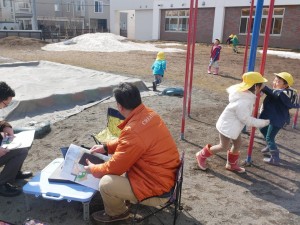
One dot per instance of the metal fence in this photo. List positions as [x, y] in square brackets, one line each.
[45, 34]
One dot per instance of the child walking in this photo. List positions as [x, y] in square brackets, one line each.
[214, 57]
[158, 69]
[276, 106]
[235, 116]
[235, 42]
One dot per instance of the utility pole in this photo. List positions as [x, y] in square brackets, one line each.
[13, 10]
[34, 18]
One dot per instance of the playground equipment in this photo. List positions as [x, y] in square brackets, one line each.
[190, 53]
[252, 57]
[251, 64]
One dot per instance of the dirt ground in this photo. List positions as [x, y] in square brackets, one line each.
[264, 195]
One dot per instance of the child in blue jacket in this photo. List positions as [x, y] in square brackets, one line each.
[276, 106]
[158, 69]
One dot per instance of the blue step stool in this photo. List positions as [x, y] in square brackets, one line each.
[40, 186]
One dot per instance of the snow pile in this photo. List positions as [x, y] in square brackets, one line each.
[292, 55]
[104, 42]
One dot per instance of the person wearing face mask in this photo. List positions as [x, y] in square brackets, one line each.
[12, 161]
[235, 116]
[276, 106]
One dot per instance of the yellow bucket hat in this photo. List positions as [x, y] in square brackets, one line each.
[287, 77]
[160, 56]
[249, 79]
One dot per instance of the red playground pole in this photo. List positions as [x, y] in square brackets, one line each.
[193, 57]
[296, 116]
[248, 36]
[262, 69]
[187, 68]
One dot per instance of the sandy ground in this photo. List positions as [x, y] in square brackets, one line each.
[264, 195]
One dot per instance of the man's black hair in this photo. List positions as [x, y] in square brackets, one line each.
[127, 95]
[6, 91]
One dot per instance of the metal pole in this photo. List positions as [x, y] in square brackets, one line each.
[14, 10]
[296, 116]
[34, 19]
[248, 36]
[193, 57]
[262, 68]
[255, 34]
[187, 69]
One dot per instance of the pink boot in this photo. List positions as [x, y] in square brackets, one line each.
[216, 71]
[202, 155]
[209, 70]
[232, 162]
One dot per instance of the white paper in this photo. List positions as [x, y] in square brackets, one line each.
[23, 139]
[74, 171]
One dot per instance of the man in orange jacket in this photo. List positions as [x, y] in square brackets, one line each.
[145, 152]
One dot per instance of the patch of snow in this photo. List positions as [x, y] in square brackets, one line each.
[104, 42]
[284, 54]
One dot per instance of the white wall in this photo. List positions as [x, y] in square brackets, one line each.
[131, 18]
[130, 4]
[116, 6]
[143, 25]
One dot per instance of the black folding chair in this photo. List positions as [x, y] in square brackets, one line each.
[174, 199]
[114, 118]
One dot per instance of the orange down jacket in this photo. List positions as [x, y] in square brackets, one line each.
[147, 153]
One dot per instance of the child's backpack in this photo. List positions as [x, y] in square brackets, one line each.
[293, 95]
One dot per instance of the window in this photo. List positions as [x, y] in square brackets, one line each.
[56, 8]
[177, 20]
[68, 7]
[80, 5]
[276, 24]
[98, 6]
[23, 7]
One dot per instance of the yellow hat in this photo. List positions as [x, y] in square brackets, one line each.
[249, 79]
[160, 56]
[231, 35]
[287, 77]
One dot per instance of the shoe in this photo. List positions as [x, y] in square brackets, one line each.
[209, 70]
[154, 85]
[265, 150]
[24, 175]
[232, 162]
[9, 190]
[274, 159]
[202, 155]
[101, 216]
[216, 71]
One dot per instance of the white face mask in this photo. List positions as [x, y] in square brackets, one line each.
[7, 109]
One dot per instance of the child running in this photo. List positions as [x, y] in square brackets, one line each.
[276, 106]
[158, 69]
[235, 116]
[214, 57]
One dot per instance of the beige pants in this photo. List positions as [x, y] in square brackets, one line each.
[225, 144]
[116, 189]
